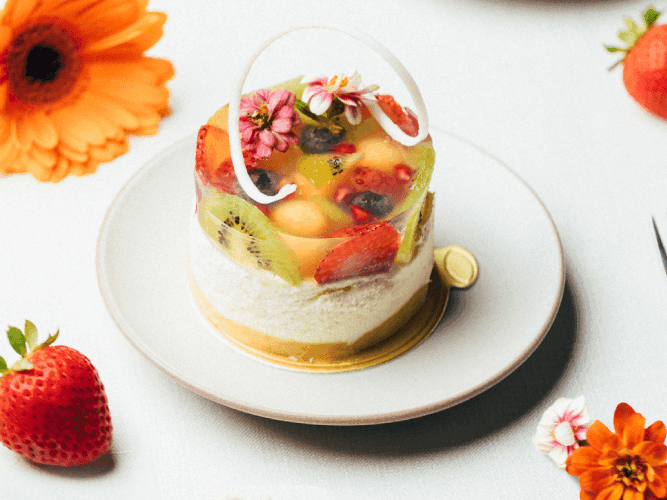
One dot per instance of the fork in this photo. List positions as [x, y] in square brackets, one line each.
[661, 247]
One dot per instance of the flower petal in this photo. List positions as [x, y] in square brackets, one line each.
[656, 432]
[353, 114]
[320, 102]
[137, 38]
[629, 425]
[37, 128]
[597, 478]
[598, 435]
[278, 99]
[559, 456]
[659, 484]
[582, 459]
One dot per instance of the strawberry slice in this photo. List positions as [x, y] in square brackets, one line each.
[213, 161]
[403, 117]
[371, 250]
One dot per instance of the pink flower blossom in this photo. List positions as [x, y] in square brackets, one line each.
[266, 122]
[561, 429]
[321, 92]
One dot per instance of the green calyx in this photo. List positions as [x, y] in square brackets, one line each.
[24, 343]
[633, 33]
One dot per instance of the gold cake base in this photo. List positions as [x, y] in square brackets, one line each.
[412, 324]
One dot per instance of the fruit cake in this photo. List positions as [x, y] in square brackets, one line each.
[319, 245]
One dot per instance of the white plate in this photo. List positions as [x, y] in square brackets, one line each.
[487, 331]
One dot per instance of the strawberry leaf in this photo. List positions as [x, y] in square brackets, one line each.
[16, 340]
[3, 364]
[650, 17]
[50, 340]
[30, 334]
[22, 365]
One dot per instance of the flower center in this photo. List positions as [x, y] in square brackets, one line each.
[631, 470]
[43, 64]
[260, 117]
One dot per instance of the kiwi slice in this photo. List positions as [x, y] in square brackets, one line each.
[425, 159]
[246, 235]
[414, 231]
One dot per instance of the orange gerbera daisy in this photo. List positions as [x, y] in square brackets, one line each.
[628, 464]
[74, 82]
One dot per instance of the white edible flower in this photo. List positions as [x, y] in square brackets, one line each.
[561, 429]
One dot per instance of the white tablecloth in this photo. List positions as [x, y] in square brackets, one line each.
[525, 80]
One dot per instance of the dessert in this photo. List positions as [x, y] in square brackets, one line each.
[311, 242]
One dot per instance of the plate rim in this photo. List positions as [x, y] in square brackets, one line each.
[305, 418]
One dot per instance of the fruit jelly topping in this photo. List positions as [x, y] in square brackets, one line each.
[346, 176]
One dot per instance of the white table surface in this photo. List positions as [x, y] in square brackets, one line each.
[525, 80]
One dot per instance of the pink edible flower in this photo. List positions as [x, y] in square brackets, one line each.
[322, 90]
[562, 429]
[267, 120]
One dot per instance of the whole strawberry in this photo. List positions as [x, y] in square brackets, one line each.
[53, 408]
[645, 62]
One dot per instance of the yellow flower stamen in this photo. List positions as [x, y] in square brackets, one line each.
[631, 472]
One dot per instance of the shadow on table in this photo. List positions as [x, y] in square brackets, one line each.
[484, 414]
[103, 465]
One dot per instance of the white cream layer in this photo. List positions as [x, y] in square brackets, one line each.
[335, 312]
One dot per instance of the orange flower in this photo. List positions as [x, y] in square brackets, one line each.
[628, 464]
[74, 82]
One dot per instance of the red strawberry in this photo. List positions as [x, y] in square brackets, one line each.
[53, 408]
[371, 250]
[402, 117]
[359, 214]
[213, 161]
[645, 62]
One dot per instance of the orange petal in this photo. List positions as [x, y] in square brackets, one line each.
[10, 159]
[71, 154]
[598, 435]
[76, 130]
[35, 168]
[46, 157]
[597, 478]
[659, 484]
[37, 128]
[629, 425]
[17, 12]
[5, 38]
[582, 459]
[113, 111]
[614, 492]
[137, 38]
[61, 170]
[632, 494]
[99, 19]
[654, 453]
[80, 169]
[111, 150]
[656, 432]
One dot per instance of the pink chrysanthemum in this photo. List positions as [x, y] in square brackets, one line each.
[267, 120]
[562, 427]
[322, 90]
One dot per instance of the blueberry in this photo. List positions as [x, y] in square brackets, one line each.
[318, 140]
[265, 181]
[376, 204]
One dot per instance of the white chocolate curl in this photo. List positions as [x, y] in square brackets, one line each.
[385, 122]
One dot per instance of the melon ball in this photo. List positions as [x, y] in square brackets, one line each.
[300, 217]
[382, 153]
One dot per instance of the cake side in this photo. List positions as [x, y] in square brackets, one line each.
[342, 311]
